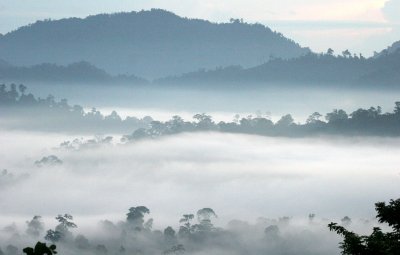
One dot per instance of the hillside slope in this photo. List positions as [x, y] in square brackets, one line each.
[149, 44]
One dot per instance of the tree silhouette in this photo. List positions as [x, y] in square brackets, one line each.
[397, 108]
[40, 249]
[346, 54]
[62, 229]
[187, 227]
[204, 217]
[135, 216]
[35, 226]
[314, 118]
[330, 52]
[378, 243]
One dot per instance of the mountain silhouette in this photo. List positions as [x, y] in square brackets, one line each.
[79, 72]
[311, 69]
[149, 44]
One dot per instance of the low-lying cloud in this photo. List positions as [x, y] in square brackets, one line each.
[231, 173]
[239, 176]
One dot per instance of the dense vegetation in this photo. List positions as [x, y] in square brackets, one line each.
[312, 69]
[379, 242]
[316, 70]
[80, 72]
[195, 234]
[360, 122]
[20, 110]
[135, 235]
[26, 111]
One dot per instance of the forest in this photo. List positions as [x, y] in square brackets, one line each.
[327, 69]
[49, 114]
[74, 73]
[196, 234]
[199, 127]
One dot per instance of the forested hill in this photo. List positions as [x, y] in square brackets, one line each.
[79, 72]
[150, 44]
[326, 69]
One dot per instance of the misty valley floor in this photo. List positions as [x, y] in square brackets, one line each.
[244, 178]
[331, 177]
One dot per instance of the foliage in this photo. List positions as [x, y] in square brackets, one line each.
[51, 115]
[35, 226]
[40, 249]
[16, 104]
[378, 243]
[328, 70]
[61, 232]
[135, 217]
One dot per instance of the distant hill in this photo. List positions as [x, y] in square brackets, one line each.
[150, 44]
[317, 69]
[80, 72]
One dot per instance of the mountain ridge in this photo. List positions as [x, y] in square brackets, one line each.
[78, 72]
[150, 44]
[311, 69]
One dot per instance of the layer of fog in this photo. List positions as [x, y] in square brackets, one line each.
[162, 102]
[240, 177]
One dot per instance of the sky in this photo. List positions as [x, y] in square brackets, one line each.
[363, 26]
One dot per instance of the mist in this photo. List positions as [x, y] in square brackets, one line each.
[148, 132]
[239, 176]
[163, 102]
[273, 176]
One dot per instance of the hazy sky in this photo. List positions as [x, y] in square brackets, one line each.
[360, 25]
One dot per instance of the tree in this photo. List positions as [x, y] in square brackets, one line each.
[170, 235]
[187, 227]
[397, 108]
[40, 249]
[35, 226]
[61, 231]
[285, 121]
[204, 217]
[336, 116]
[346, 54]
[378, 243]
[22, 88]
[135, 216]
[113, 117]
[175, 125]
[314, 118]
[330, 52]
[204, 121]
